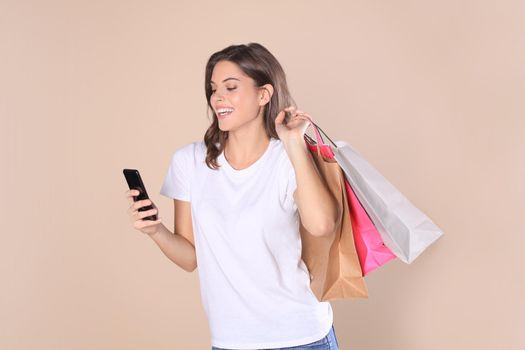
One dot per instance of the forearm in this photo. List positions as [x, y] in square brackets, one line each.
[176, 248]
[317, 207]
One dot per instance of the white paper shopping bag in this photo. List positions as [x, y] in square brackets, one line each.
[405, 230]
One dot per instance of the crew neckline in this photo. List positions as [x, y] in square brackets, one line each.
[251, 167]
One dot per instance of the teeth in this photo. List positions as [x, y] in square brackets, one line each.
[224, 110]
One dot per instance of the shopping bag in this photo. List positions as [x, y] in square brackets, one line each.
[404, 228]
[371, 250]
[370, 247]
[332, 261]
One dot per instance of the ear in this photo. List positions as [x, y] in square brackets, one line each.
[265, 95]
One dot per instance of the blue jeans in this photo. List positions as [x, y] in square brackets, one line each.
[328, 342]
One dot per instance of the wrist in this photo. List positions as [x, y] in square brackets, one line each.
[157, 233]
[294, 143]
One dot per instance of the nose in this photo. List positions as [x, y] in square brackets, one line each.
[218, 98]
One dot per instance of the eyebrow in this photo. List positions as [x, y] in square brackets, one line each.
[231, 78]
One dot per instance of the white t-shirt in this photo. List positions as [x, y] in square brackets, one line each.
[255, 288]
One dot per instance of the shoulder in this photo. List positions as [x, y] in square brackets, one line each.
[190, 149]
[189, 153]
[282, 157]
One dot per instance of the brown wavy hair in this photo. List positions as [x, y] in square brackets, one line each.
[260, 65]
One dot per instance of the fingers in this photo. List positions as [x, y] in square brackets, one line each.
[133, 210]
[280, 117]
[294, 111]
[306, 117]
[142, 214]
[130, 194]
[300, 115]
[136, 204]
[139, 204]
[297, 118]
[137, 216]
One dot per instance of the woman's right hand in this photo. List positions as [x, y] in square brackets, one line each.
[149, 227]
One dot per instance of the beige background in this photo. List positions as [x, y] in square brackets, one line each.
[431, 92]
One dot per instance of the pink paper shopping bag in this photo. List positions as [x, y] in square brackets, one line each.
[370, 248]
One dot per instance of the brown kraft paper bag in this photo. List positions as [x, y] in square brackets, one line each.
[335, 271]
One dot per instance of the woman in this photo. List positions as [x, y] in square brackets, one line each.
[238, 197]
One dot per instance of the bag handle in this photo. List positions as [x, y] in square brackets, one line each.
[318, 136]
[320, 142]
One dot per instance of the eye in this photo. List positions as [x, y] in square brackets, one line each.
[229, 89]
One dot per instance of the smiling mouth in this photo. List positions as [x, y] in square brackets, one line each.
[224, 114]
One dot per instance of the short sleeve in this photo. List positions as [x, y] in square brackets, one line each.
[177, 180]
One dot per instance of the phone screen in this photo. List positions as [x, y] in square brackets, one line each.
[135, 183]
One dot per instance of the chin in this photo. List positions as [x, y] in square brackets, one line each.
[223, 128]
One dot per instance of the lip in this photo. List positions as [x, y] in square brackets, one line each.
[222, 106]
[219, 107]
[221, 117]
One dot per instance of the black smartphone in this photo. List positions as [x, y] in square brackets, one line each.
[135, 183]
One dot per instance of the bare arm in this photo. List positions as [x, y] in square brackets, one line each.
[179, 247]
[318, 209]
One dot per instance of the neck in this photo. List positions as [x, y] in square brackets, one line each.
[245, 148]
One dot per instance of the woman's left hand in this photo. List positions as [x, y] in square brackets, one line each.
[295, 128]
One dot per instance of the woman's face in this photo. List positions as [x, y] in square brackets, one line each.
[236, 94]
